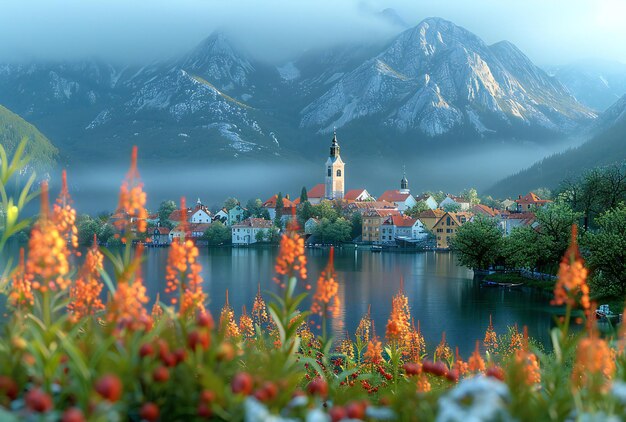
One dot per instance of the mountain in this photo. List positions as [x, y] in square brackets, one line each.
[596, 84]
[217, 102]
[607, 147]
[13, 128]
[438, 77]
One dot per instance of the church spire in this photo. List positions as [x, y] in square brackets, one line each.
[334, 146]
[404, 183]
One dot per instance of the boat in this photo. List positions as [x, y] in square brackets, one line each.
[488, 283]
[376, 248]
[604, 313]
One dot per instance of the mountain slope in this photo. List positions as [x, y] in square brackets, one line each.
[597, 84]
[607, 147]
[13, 128]
[437, 77]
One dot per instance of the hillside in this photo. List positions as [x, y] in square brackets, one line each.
[607, 147]
[13, 128]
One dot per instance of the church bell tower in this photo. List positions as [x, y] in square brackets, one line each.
[335, 175]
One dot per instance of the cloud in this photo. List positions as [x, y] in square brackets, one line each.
[143, 30]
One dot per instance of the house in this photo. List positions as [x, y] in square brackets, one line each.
[484, 210]
[153, 219]
[402, 228]
[270, 205]
[245, 233]
[199, 214]
[530, 202]
[445, 229]
[160, 235]
[316, 194]
[310, 225]
[509, 205]
[402, 200]
[517, 219]
[221, 216]
[358, 195]
[428, 200]
[365, 206]
[196, 230]
[372, 222]
[452, 199]
[430, 217]
[178, 232]
[236, 214]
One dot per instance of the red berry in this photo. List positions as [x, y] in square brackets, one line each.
[197, 339]
[242, 383]
[8, 387]
[337, 413]
[109, 387]
[436, 368]
[161, 374]
[180, 355]
[495, 372]
[73, 414]
[38, 401]
[356, 410]
[204, 319]
[412, 368]
[207, 396]
[271, 389]
[169, 360]
[146, 349]
[164, 349]
[318, 386]
[204, 410]
[149, 412]
[453, 375]
[261, 395]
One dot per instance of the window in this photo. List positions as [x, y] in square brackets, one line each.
[448, 221]
[338, 173]
[330, 171]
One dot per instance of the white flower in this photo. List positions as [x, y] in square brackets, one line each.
[256, 411]
[476, 399]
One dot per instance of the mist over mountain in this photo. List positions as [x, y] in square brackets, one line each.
[607, 147]
[434, 84]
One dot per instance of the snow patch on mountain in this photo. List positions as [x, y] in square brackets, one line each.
[103, 117]
[288, 71]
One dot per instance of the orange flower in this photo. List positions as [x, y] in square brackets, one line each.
[327, 289]
[127, 307]
[529, 362]
[423, 385]
[476, 363]
[491, 339]
[398, 325]
[21, 293]
[443, 351]
[374, 353]
[182, 275]
[594, 363]
[363, 329]
[47, 265]
[157, 311]
[259, 309]
[227, 320]
[517, 340]
[415, 344]
[85, 293]
[346, 348]
[459, 364]
[291, 260]
[131, 209]
[64, 216]
[246, 326]
[571, 286]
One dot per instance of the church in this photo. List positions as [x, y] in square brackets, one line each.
[335, 172]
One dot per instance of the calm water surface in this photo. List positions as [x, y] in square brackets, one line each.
[443, 295]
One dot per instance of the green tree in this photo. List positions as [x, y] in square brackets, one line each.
[452, 207]
[304, 196]
[416, 209]
[325, 210]
[526, 248]
[357, 225]
[305, 211]
[274, 235]
[471, 195]
[280, 205]
[230, 203]
[478, 243]
[437, 196]
[87, 227]
[165, 209]
[260, 236]
[607, 251]
[217, 234]
[337, 231]
[254, 208]
[555, 225]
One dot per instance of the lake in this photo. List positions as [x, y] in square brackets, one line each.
[442, 295]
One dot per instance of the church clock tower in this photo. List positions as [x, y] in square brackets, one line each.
[335, 174]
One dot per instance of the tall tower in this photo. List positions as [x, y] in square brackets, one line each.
[404, 183]
[335, 174]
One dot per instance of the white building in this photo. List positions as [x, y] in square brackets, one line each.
[221, 216]
[335, 172]
[428, 200]
[451, 199]
[245, 233]
[402, 228]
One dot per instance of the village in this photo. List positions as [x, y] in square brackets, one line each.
[328, 214]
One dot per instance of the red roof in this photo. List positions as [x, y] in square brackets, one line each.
[484, 210]
[394, 196]
[258, 223]
[381, 213]
[401, 220]
[431, 214]
[353, 194]
[374, 205]
[531, 198]
[271, 203]
[176, 215]
[162, 230]
[317, 191]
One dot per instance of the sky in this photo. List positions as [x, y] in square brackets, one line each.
[550, 32]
